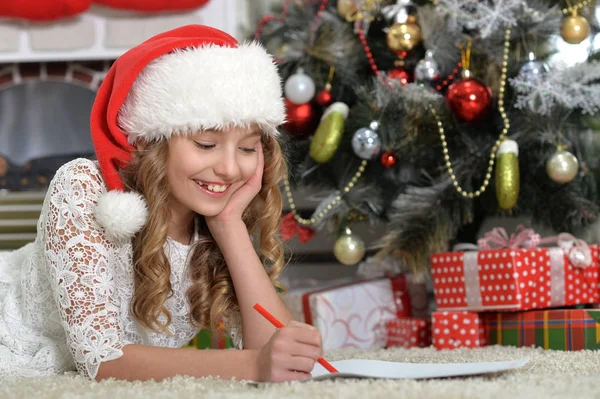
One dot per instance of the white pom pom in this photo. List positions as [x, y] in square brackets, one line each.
[121, 214]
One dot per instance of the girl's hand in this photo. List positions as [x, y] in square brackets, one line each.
[239, 200]
[290, 354]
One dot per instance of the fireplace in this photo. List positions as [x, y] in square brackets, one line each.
[44, 119]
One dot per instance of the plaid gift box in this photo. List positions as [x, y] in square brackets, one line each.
[512, 279]
[559, 329]
[453, 330]
[408, 332]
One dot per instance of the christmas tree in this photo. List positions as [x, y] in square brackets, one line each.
[430, 116]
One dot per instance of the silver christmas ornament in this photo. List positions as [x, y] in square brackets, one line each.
[562, 167]
[533, 70]
[427, 69]
[366, 142]
[299, 88]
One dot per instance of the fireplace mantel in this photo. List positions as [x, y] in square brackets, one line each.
[101, 33]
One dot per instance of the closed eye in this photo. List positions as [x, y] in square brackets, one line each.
[204, 146]
[248, 150]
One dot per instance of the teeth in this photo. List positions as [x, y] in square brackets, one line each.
[217, 188]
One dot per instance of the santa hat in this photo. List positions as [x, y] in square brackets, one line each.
[179, 82]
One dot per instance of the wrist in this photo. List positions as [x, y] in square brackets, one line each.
[224, 229]
[253, 365]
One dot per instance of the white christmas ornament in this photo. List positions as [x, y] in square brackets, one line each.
[299, 88]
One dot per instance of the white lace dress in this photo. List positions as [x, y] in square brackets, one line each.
[64, 299]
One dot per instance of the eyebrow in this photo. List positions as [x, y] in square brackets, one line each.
[254, 133]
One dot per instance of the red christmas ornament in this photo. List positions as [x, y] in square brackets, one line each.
[469, 99]
[300, 118]
[43, 10]
[388, 159]
[153, 5]
[400, 75]
[324, 97]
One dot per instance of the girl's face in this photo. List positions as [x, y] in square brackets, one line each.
[205, 169]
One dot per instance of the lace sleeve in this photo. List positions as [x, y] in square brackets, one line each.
[78, 260]
[233, 326]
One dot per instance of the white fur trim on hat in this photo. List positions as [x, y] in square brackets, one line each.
[122, 214]
[209, 87]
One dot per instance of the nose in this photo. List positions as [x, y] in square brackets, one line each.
[228, 168]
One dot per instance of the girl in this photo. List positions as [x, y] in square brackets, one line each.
[137, 252]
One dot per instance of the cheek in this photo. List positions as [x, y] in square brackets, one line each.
[248, 167]
[174, 179]
[178, 171]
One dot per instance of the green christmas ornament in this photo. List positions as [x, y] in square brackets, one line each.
[329, 134]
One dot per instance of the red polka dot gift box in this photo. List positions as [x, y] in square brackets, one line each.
[516, 278]
[408, 332]
[452, 330]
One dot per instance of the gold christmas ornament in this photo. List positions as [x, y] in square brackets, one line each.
[403, 37]
[347, 9]
[349, 249]
[562, 167]
[329, 134]
[507, 174]
[575, 28]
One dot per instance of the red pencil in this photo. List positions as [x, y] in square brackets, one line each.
[278, 324]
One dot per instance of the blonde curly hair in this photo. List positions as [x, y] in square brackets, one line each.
[211, 294]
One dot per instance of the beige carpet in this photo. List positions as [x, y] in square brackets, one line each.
[549, 374]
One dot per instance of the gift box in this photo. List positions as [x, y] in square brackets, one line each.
[207, 340]
[351, 315]
[516, 278]
[408, 332]
[461, 329]
[558, 329]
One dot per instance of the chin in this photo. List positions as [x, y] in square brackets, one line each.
[207, 211]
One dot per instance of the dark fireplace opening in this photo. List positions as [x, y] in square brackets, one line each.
[44, 119]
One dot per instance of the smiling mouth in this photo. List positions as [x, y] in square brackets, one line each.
[212, 188]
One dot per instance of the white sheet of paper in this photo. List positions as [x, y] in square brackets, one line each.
[361, 368]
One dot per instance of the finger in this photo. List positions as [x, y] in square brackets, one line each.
[310, 336]
[301, 363]
[295, 323]
[256, 179]
[298, 349]
[261, 155]
[261, 162]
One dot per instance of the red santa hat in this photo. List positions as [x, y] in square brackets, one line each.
[179, 82]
